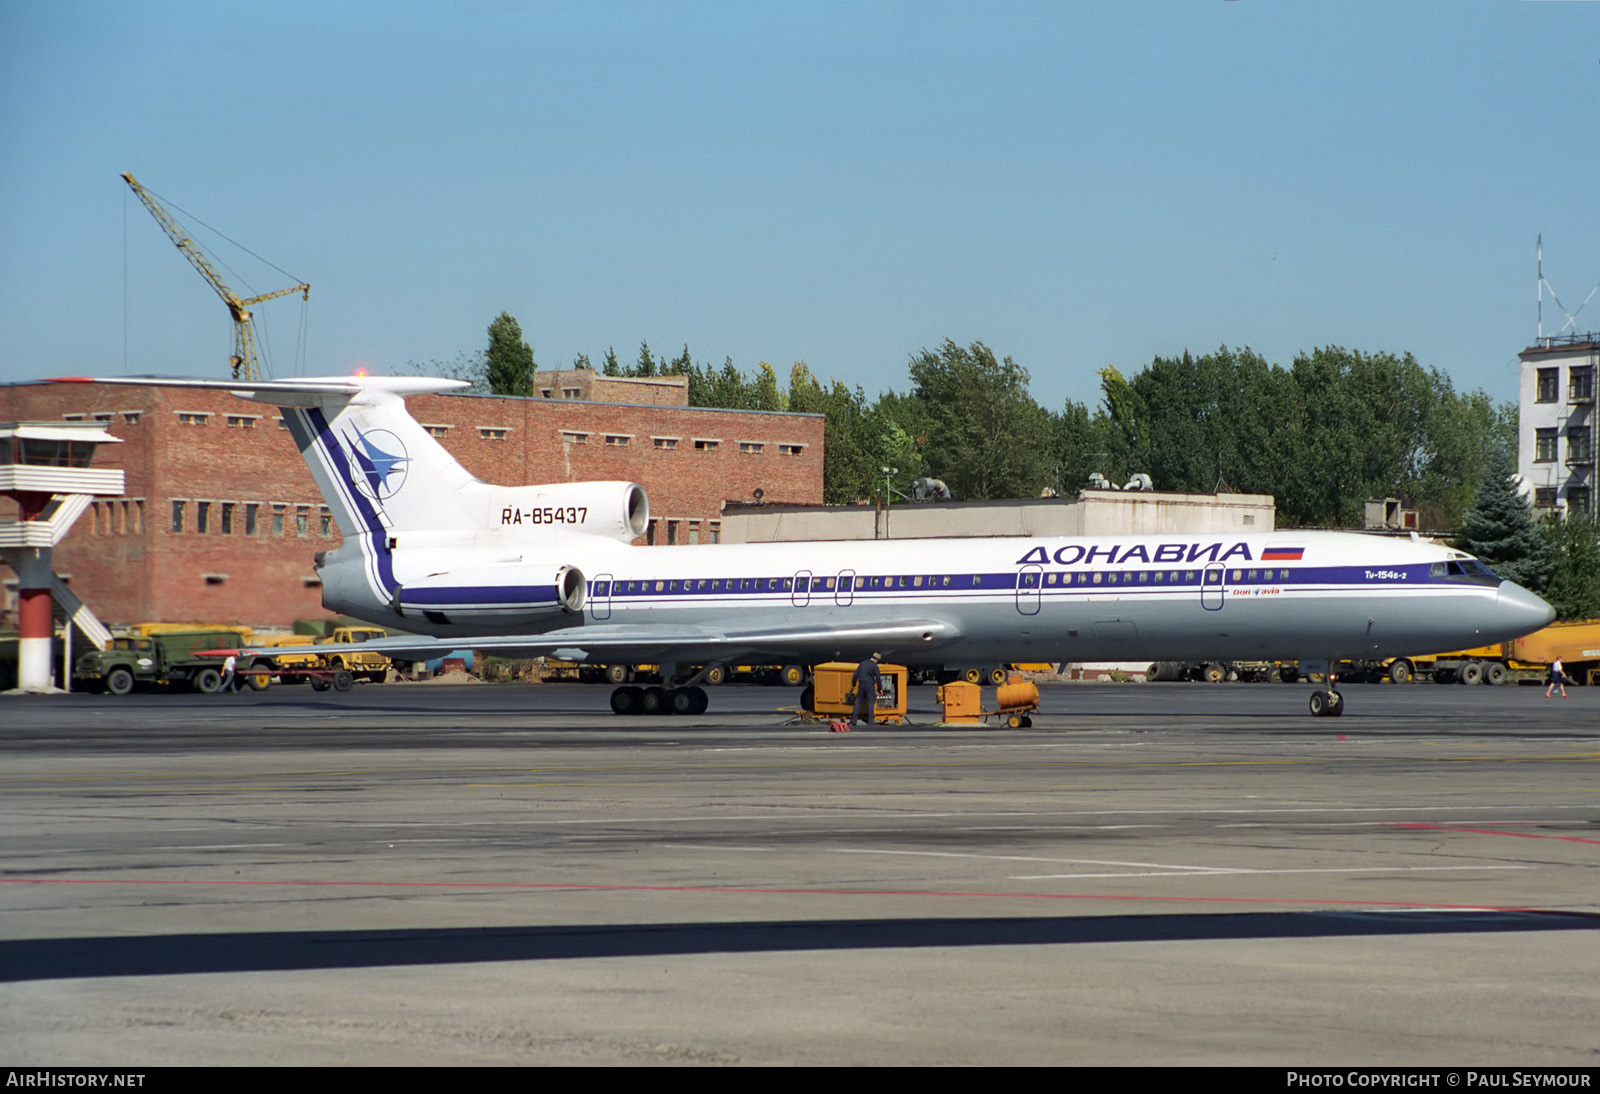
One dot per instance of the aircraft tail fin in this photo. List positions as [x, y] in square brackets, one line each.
[379, 470]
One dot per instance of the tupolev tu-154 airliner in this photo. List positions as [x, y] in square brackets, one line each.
[552, 570]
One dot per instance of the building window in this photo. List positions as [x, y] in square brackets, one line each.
[227, 518]
[73, 417]
[103, 417]
[1578, 500]
[665, 444]
[302, 517]
[187, 417]
[752, 448]
[701, 444]
[325, 522]
[251, 512]
[574, 438]
[617, 440]
[242, 421]
[1549, 385]
[202, 517]
[791, 449]
[1544, 446]
[546, 392]
[571, 393]
[277, 520]
[132, 417]
[1580, 384]
[1580, 445]
[493, 432]
[1544, 497]
[437, 430]
[138, 517]
[713, 531]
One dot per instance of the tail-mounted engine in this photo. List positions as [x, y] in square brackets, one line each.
[616, 510]
[511, 595]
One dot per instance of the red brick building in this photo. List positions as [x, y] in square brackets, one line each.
[221, 516]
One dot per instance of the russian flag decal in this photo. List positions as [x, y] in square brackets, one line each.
[1282, 554]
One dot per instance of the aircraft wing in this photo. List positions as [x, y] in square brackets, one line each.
[640, 643]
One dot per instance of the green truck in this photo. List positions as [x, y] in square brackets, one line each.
[167, 660]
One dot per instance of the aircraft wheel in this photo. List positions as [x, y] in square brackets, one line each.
[700, 700]
[1495, 674]
[119, 681]
[655, 701]
[625, 701]
[681, 701]
[1470, 673]
[342, 680]
[1319, 703]
[997, 675]
[1335, 704]
[208, 681]
[716, 676]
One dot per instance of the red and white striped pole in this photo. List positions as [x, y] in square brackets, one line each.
[35, 618]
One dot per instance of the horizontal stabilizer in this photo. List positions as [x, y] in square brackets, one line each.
[286, 392]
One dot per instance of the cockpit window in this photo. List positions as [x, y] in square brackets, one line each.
[1468, 570]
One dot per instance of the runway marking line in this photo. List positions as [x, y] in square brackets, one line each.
[736, 890]
[1494, 832]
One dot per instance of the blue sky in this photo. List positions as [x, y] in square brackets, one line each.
[1076, 185]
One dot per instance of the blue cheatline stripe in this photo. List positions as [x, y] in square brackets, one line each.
[478, 596]
[980, 585]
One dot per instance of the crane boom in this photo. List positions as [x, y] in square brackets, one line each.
[245, 355]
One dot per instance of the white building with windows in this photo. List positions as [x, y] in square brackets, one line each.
[1556, 431]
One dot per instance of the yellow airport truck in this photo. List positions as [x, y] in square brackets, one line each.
[1576, 644]
[300, 661]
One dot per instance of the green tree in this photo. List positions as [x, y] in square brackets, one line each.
[1574, 551]
[1500, 529]
[764, 392]
[646, 364]
[509, 360]
[985, 436]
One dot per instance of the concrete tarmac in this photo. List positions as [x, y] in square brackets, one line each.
[1152, 874]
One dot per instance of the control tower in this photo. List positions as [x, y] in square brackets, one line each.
[45, 468]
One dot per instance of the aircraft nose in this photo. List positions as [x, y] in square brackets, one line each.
[1522, 610]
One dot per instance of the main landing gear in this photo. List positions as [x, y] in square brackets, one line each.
[659, 700]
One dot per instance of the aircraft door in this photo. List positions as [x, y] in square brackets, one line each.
[1212, 588]
[600, 596]
[845, 591]
[802, 589]
[1030, 582]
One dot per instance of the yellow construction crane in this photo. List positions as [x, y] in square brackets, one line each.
[244, 333]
